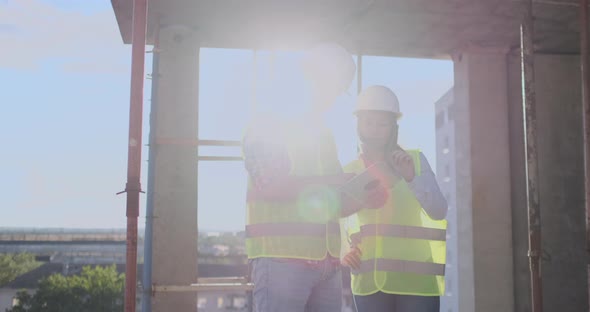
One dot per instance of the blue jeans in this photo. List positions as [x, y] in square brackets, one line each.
[382, 302]
[286, 285]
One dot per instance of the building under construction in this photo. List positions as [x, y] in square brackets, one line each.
[520, 112]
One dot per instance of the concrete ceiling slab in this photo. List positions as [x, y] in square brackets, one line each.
[419, 28]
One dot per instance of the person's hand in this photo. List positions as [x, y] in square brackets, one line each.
[376, 196]
[403, 163]
[352, 259]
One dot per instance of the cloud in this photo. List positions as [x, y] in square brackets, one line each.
[33, 32]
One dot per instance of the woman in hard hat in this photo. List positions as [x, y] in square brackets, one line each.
[397, 255]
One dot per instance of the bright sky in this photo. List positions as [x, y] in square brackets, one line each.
[64, 110]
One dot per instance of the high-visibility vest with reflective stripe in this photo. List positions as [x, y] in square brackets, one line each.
[403, 249]
[308, 227]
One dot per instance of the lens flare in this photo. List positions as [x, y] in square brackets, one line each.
[318, 204]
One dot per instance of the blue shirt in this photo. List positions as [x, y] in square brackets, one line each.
[427, 191]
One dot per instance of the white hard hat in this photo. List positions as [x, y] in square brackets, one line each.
[329, 61]
[378, 98]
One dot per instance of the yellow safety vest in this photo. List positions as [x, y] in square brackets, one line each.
[307, 228]
[403, 249]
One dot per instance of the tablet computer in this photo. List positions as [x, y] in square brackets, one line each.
[379, 174]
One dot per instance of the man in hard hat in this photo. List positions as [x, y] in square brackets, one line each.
[292, 231]
[397, 255]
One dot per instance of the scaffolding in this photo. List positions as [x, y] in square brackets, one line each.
[133, 187]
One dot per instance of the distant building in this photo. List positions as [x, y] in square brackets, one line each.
[221, 250]
[226, 300]
[445, 172]
[98, 246]
[66, 251]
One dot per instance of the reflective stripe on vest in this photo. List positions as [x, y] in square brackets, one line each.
[402, 231]
[392, 265]
[292, 229]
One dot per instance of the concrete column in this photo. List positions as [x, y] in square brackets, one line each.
[561, 184]
[484, 220]
[175, 177]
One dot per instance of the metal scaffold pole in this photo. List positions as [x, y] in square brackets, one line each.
[532, 166]
[586, 116]
[146, 303]
[359, 73]
[133, 186]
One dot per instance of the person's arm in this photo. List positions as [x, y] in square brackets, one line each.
[426, 189]
[268, 165]
[349, 206]
[375, 199]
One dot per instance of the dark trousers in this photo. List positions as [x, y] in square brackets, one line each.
[382, 302]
